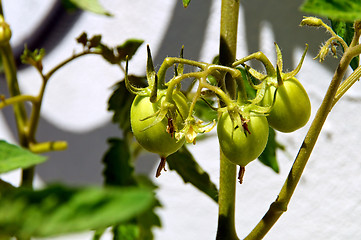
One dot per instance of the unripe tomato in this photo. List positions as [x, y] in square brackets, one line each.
[156, 139]
[292, 108]
[241, 147]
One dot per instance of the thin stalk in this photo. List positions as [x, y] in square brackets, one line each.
[261, 57]
[176, 80]
[355, 76]
[228, 171]
[338, 38]
[224, 97]
[279, 206]
[35, 114]
[195, 98]
[66, 61]
[170, 61]
[16, 99]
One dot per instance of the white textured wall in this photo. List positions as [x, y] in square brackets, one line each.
[327, 202]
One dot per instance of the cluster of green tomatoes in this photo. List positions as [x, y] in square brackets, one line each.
[162, 116]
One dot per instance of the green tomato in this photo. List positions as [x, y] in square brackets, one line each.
[241, 147]
[156, 139]
[292, 108]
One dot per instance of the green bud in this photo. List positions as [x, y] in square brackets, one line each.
[311, 21]
[5, 31]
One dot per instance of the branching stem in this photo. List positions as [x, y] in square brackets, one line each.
[279, 206]
[228, 171]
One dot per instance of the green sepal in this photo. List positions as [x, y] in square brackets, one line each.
[186, 3]
[180, 68]
[279, 57]
[131, 88]
[151, 77]
[279, 78]
[298, 68]
[121, 100]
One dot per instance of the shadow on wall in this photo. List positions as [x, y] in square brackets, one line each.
[81, 163]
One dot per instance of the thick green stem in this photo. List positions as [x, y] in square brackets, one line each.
[228, 171]
[279, 206]
[12, 82]
[19, 108]
[10, 71]
[228, 39]
[226, 200]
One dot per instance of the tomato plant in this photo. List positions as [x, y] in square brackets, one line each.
[162, 117]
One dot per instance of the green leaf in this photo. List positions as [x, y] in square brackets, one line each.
[121, 100]
[204, 112]
[4, 186]
[128, 48]
[13, 157]
[268, 156]
[126, 232]
[139, 228]
[343, 29]
[346, 31]
[185, 165]
[95, 41]
[118, 169]
[86, 5]
[247, 78]
[344, 10]
[92, 43]
[186, 3]
[120, 52]
[82, 39]
[147, 221]
[59, 210]
[108, 54]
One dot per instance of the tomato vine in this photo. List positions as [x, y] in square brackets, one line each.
[247, 106]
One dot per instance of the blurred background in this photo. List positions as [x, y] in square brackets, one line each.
[327, 202]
